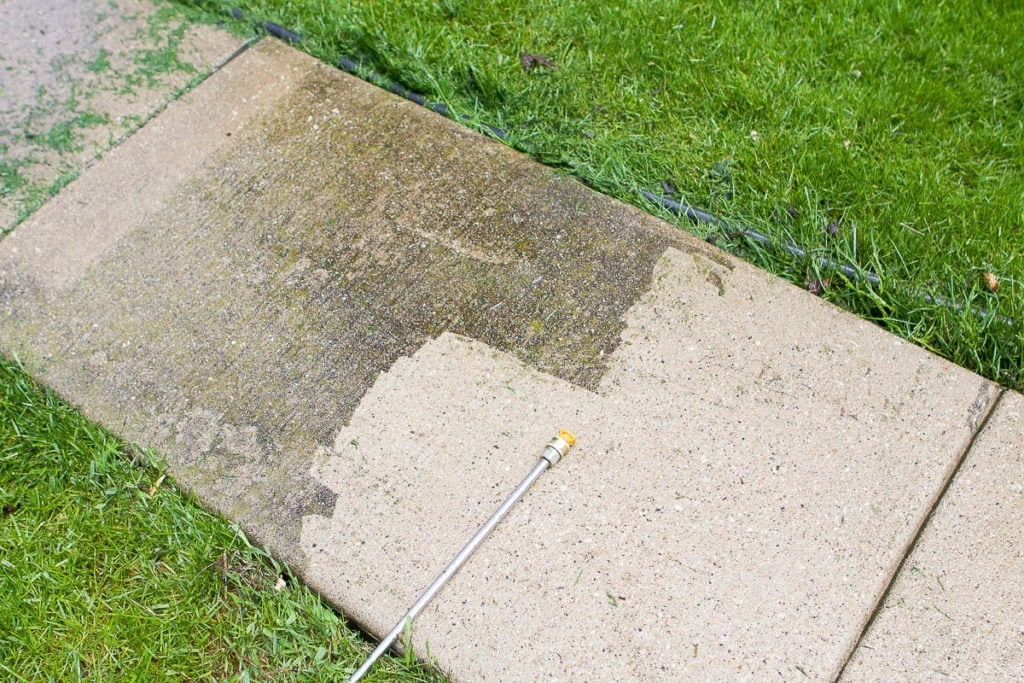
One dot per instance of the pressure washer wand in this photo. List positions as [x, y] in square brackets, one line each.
[553, 452]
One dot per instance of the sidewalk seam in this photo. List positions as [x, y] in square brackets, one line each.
[246, 44]
[912, 545]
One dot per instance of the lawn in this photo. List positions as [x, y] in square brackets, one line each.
[108, 572]
[884, 135]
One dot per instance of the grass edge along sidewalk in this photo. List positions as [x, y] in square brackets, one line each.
[941, 228]
[108, 571]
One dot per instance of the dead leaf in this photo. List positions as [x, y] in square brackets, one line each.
[156, 484]
[816, 286]
[832, 228]
[222, 568]
[991, 281]
[281, 584]
[530, 60]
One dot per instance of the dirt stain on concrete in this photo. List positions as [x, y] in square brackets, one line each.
[241, 326]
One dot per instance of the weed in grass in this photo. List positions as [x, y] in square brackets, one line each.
[109, 572]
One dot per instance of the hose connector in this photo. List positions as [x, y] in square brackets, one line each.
[558, 447]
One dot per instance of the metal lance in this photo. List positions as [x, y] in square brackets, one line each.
[553, 452]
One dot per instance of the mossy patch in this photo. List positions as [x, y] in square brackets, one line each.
[89, 75]
[10, 176]
[328, 241]
[63, 135]
[101, 63]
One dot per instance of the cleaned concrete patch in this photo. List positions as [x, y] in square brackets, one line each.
[351, 325]
[956, 611]
[740, 495]
[77, 76]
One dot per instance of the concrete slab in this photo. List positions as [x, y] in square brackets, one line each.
[734, 508]
[351, 324]
[78, 76]
[260, 273]
[956, 611]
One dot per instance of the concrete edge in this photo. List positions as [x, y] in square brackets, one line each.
[979, 428]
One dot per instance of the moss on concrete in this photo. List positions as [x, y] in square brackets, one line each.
[238, 329]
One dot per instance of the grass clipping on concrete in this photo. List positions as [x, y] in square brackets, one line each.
[109, 572]
[888, 135]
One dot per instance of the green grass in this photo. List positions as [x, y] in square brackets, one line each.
[108, 572]
[900, 122]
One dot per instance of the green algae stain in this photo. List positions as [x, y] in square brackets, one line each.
[279, 283]
[412, 240]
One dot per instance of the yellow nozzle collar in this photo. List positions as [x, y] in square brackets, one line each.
[567, 436]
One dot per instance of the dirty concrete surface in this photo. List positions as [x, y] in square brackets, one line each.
[303, 257]
[78, 76]
[351, 325]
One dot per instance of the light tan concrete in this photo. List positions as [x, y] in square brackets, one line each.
[956, 611]
[739, 497]
[352, 324]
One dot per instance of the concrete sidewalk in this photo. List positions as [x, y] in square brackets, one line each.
[351, 325]
[81, 75]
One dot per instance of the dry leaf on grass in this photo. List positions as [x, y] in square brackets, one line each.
[530, 60]
[816, 285]
[991, 281]
[156, 484]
